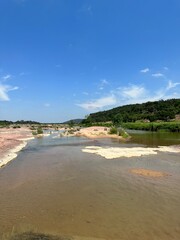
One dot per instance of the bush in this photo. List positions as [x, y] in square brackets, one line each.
[113, 130]
[123, 133]
[16, 126]
[34, 133]
[39, 130]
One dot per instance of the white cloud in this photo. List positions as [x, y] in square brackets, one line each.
[157, 75]
[172, 85]
[133, 92]
[166, 68]
[103, 83]
[6, 77]
[99, 103]
[166, 92]
[4, 89]
[145, 70]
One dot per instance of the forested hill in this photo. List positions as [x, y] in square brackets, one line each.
[152, 111]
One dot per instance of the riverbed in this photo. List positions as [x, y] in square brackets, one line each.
[54, 187]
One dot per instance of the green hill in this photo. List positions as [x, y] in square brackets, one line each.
[149, 111]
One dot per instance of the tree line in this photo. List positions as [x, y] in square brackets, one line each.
[163, 110]
[7, 123]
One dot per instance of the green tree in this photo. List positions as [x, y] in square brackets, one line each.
[117, 120]
[71, 124]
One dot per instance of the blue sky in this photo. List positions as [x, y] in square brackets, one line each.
[64, 59]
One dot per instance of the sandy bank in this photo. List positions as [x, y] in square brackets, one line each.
[11, 154]
[11, 142]
[149, 173]
[115, 152]
[96, 132]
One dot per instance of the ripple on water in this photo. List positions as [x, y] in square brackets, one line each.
[64, 191]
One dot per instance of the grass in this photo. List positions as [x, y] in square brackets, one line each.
[154, 126]
[113, 130]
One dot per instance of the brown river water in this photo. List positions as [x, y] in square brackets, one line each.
[53, 187]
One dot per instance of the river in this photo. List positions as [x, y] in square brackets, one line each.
[53, 187]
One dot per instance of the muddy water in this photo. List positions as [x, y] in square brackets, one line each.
[53, 187]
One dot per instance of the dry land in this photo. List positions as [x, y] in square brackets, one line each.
[11, 142]
[97, 132]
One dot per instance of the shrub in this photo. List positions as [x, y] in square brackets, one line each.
[34, 133]
[39, 130]
[113, 130]
[16, 126]
[123, 133]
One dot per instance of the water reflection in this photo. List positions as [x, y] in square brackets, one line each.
[154, 139]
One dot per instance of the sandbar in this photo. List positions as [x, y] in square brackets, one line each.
[96, 132]
[118, 152]
[11, 142]
[149, 173]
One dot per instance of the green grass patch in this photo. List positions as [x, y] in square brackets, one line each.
[154, 126]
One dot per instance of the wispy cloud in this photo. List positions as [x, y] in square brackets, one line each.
[6, 77]
[140, 94]
[4, 89]
[103, 83]
[99, 103]
[132, 94]
[157, 75]
[172, 85]
[145, 70]
[166, 68]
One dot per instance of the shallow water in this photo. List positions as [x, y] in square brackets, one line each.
[53, 187]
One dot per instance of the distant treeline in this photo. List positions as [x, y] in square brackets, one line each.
[6, 123]
[149, 111]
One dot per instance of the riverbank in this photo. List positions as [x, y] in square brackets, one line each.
[97, 132]
[11, 142]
